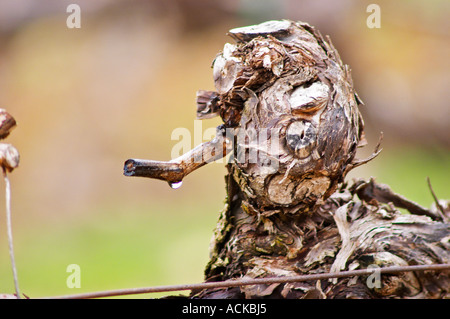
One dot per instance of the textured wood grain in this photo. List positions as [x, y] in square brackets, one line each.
[292, 123]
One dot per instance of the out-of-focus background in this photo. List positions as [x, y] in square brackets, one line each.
[88, 99]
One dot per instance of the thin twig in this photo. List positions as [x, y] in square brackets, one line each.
[9, 230]
[440, 209]
[244, 282]
[358, 162]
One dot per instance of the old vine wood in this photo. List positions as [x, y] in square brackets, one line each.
[292, 125]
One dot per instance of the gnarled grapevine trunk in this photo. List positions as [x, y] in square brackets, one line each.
[292, 124]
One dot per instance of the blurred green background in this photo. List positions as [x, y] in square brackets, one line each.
[88, 99]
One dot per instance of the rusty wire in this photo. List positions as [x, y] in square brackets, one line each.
[255, 281]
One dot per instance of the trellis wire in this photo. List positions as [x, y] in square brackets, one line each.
[256, 281]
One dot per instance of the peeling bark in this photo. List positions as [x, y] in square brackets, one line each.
[344, 233]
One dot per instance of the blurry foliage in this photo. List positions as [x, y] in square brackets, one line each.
[86, 100]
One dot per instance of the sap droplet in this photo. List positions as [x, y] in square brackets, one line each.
[175, 185]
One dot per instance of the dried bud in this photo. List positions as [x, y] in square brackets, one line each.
[7, 123]
[9, 157]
